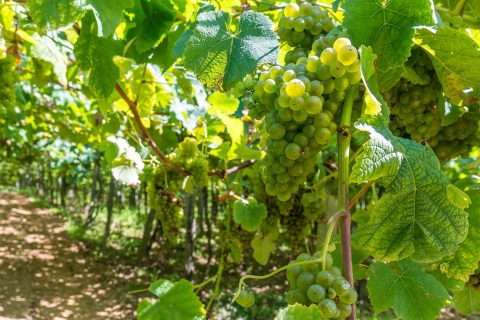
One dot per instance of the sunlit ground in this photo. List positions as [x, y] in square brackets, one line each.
[46, 275]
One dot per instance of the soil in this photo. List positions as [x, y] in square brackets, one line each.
[44, 274]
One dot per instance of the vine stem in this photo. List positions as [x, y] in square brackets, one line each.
[153, 145]
[343, 138]
[360, 194]
[326, 242]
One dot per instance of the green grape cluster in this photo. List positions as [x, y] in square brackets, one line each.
[454, 21]
[162, 189]
[414, 111]
[297, 227]
[324, 287]
[302, 99]
[314, 204]
[459, 138]
[8, 77]
[188, 156]
[43, 69]
[302, 23]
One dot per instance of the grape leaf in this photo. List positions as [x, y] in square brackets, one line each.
[449, 283]
[96, 53]
[386, 26]
[466, 258]
[222, 102]
[375, 104]
[449, 112]
[415, 217]
[46, 49]
[109, 14]
[249, 216]
[456, 58]
[181, 44]
[176, 301]
[159, 15]
[404, 286]
[138, 82]
[53, 14]
[474, 164]
[298, 311]
[220, 57]
[263, 245]
[467, 301]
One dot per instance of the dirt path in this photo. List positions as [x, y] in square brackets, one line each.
[46, 275]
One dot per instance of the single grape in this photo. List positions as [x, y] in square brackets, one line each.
[350, 296]
[316, 293]
[341, 286]
[328, 308]
[347, 55]
[293, 151]
[295, 88]
[325, 278]
[292, 10]
[305, 280]
[328, 56]
[296, 296]
[340, 43]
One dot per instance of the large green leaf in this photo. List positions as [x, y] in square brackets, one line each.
[45, 48]
[53, 14]
[404, 286]
[250, 215]
[176, 301]
[298, 311]
[220, 57]
[416, 217]
[96, 53]
[109, 14]
[467, 301]
[181, 43]
[138, 82]
[263, 245]
[456, 58]
[467, 256]
[373, 99]
[386, 26]
[152, 28]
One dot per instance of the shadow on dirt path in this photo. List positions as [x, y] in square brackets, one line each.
[46, 275]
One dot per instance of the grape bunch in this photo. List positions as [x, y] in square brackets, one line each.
[327, 288]
[301, 24]
[8, 77]
[454, 21]
[188, 156]
[414, 111]
[459, 138]
[314, 204]
[302, 99]
[162, 188]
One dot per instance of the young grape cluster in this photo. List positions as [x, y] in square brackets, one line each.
[413, 107]
[459, 138]
[188, 156]
[300, 24]
[302, 99]
[162, 189]
[327, 288]
[415, 115]
[8, 77]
